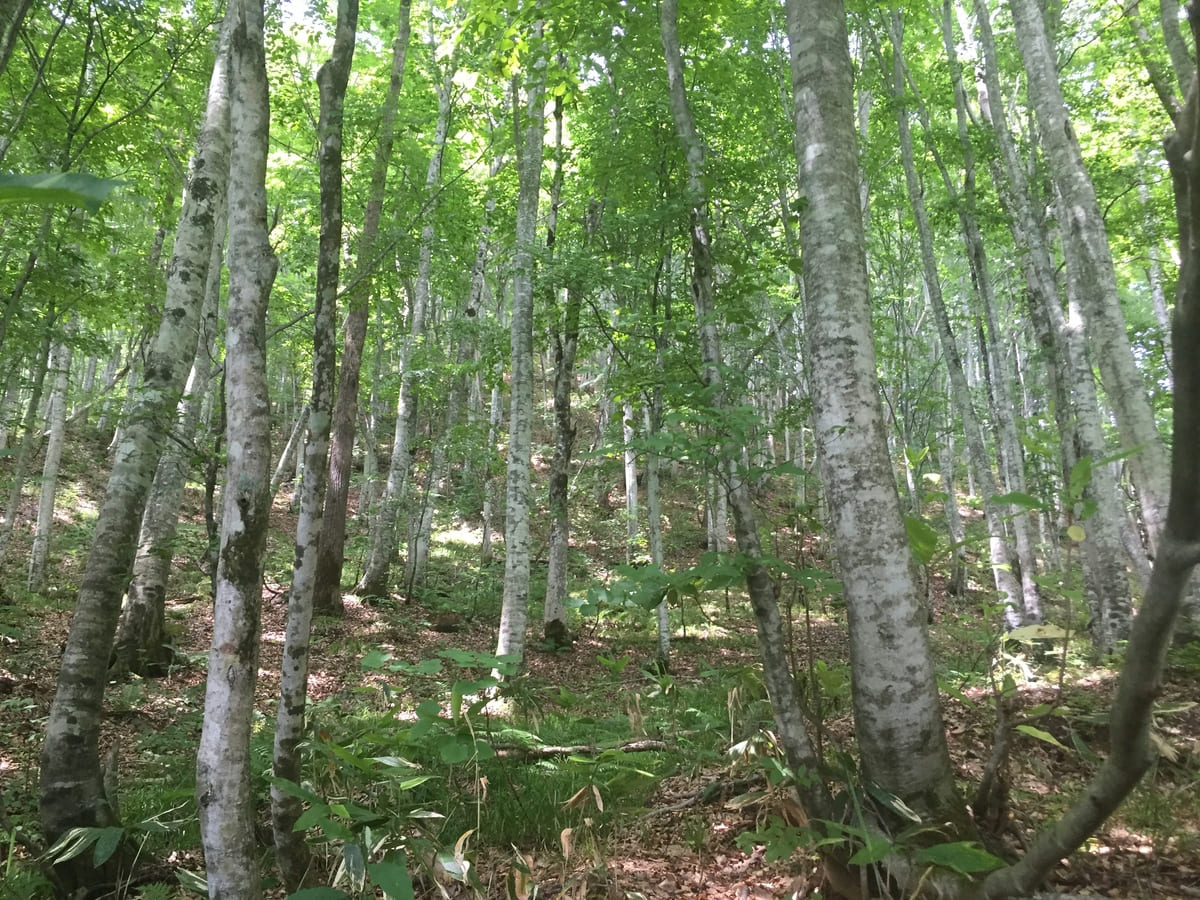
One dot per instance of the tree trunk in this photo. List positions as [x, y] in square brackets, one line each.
[897, 714]
[385, 525]
[1130, 750]
[56, 425]
[327, 593]
[30, 441]
[223, 764]
[517, 500]
[291, 850]
[71, 792]
[781, 688]
[1003, 560]
[141, 646]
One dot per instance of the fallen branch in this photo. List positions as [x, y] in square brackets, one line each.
[549, 750]
[707, 794]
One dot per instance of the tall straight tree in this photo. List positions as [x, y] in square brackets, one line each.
[331, 554]
[515, 610]
[226, 805]
[71, 790]
[291, 850]
[897, 714]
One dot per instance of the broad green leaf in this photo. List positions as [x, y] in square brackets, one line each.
[922, 538]
[192, 881]
[106, 844]
[319, 893]
[1018, 498]
[393, 877]
[962, 856]
[1076, 533]
[1045, 736]
[454, 749]
[875, 850]
[73, 843]
[71, 188]
[376, 659]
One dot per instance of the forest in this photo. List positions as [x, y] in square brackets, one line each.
[625, 449]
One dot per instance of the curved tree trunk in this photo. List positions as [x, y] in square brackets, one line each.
[71, 792]
[781, 688]
[223, 765]
[327, 592]
[291, 850]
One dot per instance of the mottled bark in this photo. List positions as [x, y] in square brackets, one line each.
[518, 495]
[327, 596]
[291, 850]
[71, 792]
[897, 716]
[30, 441]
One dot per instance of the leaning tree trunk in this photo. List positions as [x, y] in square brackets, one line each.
[141, 646]
[781, 687]
[327, 594]
[291, 850]
[897, 713]
[515, 609]
[56, 422]
[71, 792]
[1131, 752]
[223, 763]
[385, 525]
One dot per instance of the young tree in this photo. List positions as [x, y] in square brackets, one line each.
[226, 806]
[291, 851]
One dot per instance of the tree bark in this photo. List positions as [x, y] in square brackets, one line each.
[384, 541]
[515, 609]
[291, 850]
[223, 764]
[897, 716]
[327, 593]
[71, 792]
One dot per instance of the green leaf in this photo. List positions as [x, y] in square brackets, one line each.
[310, 817]
[1045, 736]
[1080, 478]
[106, 844]
[875, 850]
[963, 857]
[921, 537]
[319, 893]
[46, 189]
[454, 749]
[356, 862]
[71, 844]
[376, 659]
[192, 881]
[1017, 498]
[393, 877]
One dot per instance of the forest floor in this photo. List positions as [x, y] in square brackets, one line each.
[643, 824]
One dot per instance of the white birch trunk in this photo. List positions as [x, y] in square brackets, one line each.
[629, 456]
[223, 763]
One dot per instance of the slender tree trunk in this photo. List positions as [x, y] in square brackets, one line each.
[781, 688]
[141, 645]
[653, 412]
[327, 596]
[30, 441]
[223, 764]
[1004, 568]
[384, 526]
[291, 850]
[56, 425]
[566, 342]
[71, 792]
[292, 451]
[1090, 267]
[897, 714]
[632, 551]
[517, 505]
